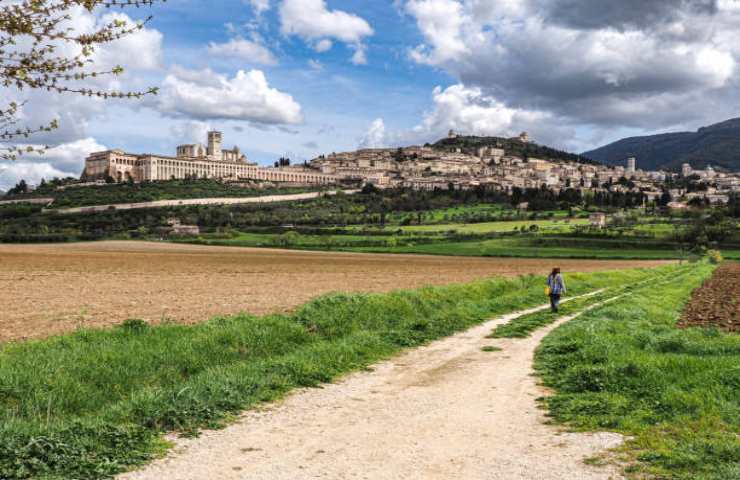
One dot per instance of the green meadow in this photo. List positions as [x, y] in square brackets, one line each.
[625, 367]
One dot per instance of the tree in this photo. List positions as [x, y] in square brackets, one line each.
[35, 41]
[20, 188]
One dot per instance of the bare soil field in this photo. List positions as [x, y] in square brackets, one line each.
[51, 289]
[716, 303]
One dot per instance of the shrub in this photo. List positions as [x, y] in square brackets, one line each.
[714, 256]
[134, 325]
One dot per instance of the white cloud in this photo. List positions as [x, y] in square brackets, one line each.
[360, 55]
[468, 111]
[441, 23]
[585, 60]
[206, 95]
[31, 172]
[147, 43]
[314, 22]
[375, 135]
[323, 45]
[247, 50]
[190, 131]
[66, 160]
[259, 6]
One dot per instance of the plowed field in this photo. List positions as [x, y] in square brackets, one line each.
[50, 289]
[717, 302]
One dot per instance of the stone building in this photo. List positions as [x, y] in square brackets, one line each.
[193, 161]
[631, 165]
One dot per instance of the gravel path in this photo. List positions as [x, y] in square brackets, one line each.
[444, 411]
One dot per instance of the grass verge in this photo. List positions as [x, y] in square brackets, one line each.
[523, 326]
[625, 367]
[95, 403]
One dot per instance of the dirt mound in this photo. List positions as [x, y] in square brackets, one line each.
[716, 302]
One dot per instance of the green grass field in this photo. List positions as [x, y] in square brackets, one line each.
[521, 247]
[434, 243]
[503, 226]
[625, 367]
[95, 403]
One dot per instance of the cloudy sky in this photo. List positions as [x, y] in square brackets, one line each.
[305, 77]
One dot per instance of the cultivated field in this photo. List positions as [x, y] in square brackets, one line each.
[50, 289]
[716, 303]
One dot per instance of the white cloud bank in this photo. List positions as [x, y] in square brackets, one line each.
[206, 95]
[240, 48]
[62, 161]
[593, 62]
[463, 109]
[312, 21]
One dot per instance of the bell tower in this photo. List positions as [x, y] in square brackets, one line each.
[215, 145]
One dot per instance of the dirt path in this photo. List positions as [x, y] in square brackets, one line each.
[202, 201]
[445, 411]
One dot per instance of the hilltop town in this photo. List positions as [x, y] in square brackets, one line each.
[457, 162]
[504, 164]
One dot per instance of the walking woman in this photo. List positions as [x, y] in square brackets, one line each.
[556, 286]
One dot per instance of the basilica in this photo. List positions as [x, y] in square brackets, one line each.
[193, 161]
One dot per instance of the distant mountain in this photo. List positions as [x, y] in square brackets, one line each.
[717, 145]
[513, 146]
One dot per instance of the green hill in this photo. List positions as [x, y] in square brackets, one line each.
[716, 145]
[513, 146]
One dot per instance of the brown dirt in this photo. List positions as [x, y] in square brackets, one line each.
[716, 302]
[51, 289]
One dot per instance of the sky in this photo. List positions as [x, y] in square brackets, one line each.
[300, 78]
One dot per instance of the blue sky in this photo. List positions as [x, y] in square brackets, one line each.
[339, 99]
[306, 77]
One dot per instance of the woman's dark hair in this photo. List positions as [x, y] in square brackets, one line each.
[555, 271]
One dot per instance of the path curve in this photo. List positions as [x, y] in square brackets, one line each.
[444, 411]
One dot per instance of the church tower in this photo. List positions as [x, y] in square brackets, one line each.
[215, 145]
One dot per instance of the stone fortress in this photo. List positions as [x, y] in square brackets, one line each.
[193, 161]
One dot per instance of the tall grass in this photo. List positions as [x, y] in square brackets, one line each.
[95, 403]
[626, 367]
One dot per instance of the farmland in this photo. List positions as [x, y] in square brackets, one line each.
[710, 305]
[100, 399]
[57, 288]
[107, 347]
[464, 223]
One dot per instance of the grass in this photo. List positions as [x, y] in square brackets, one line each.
[152, 191]
[625, 367]
[522, 248]
[434, 243]
[95, 403]
[491, 348]
[523, 326]
[504, 226]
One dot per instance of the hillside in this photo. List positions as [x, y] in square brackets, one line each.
[717, 145]
[513, 146]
